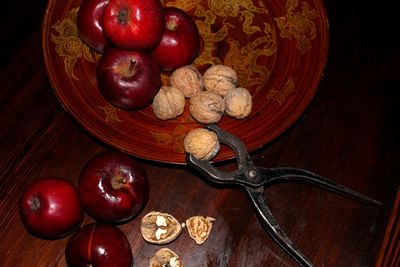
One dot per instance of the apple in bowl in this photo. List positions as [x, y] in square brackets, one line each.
[90, 26]
[50, 208]
[113, 187]
[134, 24]
[180, 43]
[128, 79]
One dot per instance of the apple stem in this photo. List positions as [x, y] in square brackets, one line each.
[118, 182]
[172, 25]
[132, 66]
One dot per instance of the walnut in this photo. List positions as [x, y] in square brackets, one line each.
[160, 228]
[168, 103]
[199, 228]
[238, 103]
[207, 107]
[188, 80]
[165, 257]
[219, 79]
[201, 143]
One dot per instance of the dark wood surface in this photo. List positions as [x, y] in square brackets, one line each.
[349, 133]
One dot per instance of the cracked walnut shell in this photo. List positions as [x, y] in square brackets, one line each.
[159, 228]
[165, 257]
[201, 143]
[168, 103]
[219, 79]
[199, 228]
[238, 103]
[207, 107]
[188, 80]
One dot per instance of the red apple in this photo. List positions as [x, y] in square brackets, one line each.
[99, 245]
[128, 79]
[113, 187]
[134, 24]
[180, 43]
[90, 26]
[50, 208]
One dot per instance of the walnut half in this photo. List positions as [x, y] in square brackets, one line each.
[199, 228]
[165, 257]
[160, 228]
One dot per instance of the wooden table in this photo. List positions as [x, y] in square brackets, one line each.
[348, 133]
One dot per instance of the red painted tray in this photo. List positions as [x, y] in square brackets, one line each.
[278, 48]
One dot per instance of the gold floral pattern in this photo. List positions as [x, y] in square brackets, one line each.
[281, 95]
[69, 45]
[298, 24]
[111, 113]
[174, 138]
[244, 59]
[214, 27]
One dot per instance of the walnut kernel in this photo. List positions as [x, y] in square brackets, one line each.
[219, 79]
[165, 257]
[168, 103]
[188, 80]
[238, 103]
[201, 143]
[199, 228]
[159, 228]
[207, 107]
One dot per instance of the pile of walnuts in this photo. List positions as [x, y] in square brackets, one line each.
[210, 95]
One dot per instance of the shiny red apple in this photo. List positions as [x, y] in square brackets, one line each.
[113, 187]
[181, 40]
[134, 24]
[50, 208]
[90, 26]
[100, 245]
[128, 79]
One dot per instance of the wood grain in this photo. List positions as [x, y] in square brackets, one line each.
[389, 253]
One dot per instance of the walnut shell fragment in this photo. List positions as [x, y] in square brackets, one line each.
[201, 143]
[219, 79]
[159, 228]
[207, 107]
[188, 80]
[165, 257]
[199, 228]
[238, 103]
[168, 103]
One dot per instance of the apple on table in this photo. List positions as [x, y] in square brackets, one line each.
[50, 208]
[100, 245]
[113, 187]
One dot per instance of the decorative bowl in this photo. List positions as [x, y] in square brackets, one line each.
[278, 49]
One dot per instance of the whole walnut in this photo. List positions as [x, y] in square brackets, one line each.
[207, 107]
[238, 103]
[201, 143]
[219, 79]
[168, 103]
[187, 79]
